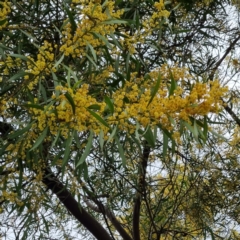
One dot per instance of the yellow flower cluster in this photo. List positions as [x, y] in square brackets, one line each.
[236, 137]
[19, 149]
[204, 3]
[235, 63]
[171, 188]
[100, 77]
[129, 41]
[43, 65]
[6, 104]
[4, 11]
[131, 105]
[11, 197]
[201, 100]
[37, 197]
[63, 115]
[175, 72]
[153, 21]
[149, 25]
[9, 64]
[161, 12]
[91, 20]
[3, 107]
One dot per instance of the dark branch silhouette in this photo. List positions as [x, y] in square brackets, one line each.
[140, 191]
[73, 206]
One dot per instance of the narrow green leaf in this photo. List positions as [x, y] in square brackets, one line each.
[46, 224]
[173, 84]
[108, 56]
[77, 84]
[4, 47]
[155, 89]
[93, 52]
[71, 19]
[113, 133]
[205, 127]
[2, 22]
[165, 144]
[104, 3]
[18, 75]
[136, 18]
[85, 171]
[155, 132]
[189, 127]
[117, 63]
[67, 151]
[56, 83]
[69, 78]
[211, 232]
[20, 169]
[56, 138]
[181, 130]
[137, 141]
[173, 147]
[218, 135]
[121, 152]
[59, 61]
[33, 106]
[148, 135]
[77, 140]
[87, 150]
[91, 60]
[115, 41]
[137, 132]
[97, 35]
[29, 36]
[101, 120]
[20, 56]
[127, 61]
[57, 157]
[71, 73]
[20, 132]
[6, 89]
[2, 53]
[165, 131]
[40, 139]
[201, 135]
[94, 107]
[101, 139]
[156, 47]
[114, 21]
[109, 103]
[70, 100]
[43, 91]
[195, 130]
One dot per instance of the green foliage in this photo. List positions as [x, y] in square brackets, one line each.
[112, 122]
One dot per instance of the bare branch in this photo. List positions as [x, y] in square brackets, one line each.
[228, 50]
[111, 217]
[141, 188]
[74, 207]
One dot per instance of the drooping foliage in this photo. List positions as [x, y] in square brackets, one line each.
[119, 119]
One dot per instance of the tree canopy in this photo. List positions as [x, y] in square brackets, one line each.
[119, 119]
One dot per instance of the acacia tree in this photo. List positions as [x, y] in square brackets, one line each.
[116, 122]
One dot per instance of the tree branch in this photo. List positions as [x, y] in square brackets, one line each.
[228, 50]
[140, 191]
[73, 206]
[232, 114]
[211, 76]
[111, 217]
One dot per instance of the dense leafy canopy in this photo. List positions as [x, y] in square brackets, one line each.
[119, 119]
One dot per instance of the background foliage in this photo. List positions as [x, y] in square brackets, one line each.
[119, 119]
